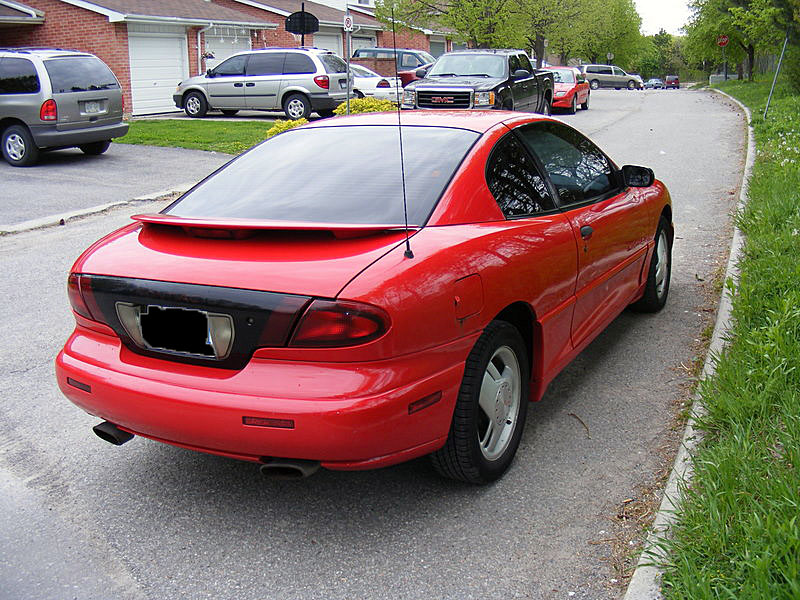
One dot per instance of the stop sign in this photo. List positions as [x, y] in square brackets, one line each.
[722, 41]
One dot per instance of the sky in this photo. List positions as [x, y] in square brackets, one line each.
[670, 15]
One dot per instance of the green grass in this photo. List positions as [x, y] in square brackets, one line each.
[230, 137]
[738, 533]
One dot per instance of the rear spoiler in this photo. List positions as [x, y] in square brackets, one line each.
[231, 228]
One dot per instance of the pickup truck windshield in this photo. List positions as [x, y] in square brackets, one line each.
[476, 65]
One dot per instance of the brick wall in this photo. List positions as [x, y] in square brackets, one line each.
[406, 38]
[74, 28]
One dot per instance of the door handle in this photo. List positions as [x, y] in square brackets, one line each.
[586, 232]
[238, 85]
[251, 84]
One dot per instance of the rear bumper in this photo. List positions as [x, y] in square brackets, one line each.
[327, 101]
[47, 136]
[347, 416]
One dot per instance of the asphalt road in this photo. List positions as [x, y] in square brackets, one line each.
[82, 519]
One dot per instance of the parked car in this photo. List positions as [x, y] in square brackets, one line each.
[608, 76]
[407, 77]
[654, 84]
[298, 81]
[258, 318]
[368, 83]
[500, 79]
[52, 99]
[406, 58]
[672, 81]
[639, 80]
[571, 89]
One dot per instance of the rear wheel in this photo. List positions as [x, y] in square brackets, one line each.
[594, 84]
[19, 149]
[490, 411]
[631, 85]
[573, 107]
[296, 106]
[585, 105]
[95, 148]
[358, 94]
[195, 105]
[658, 275]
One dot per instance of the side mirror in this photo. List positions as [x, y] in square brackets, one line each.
[521, 74]
[421, 73]
[634, 176]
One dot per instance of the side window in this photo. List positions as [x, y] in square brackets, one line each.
[579, 77]
[515, 182]
[18, 76]
[604, 70]
[297, 63]
[592, 70]
[231, 67]
[513, 64]
[525, 63]
[265, 63]
[409, 61]
[578, 169]
[618, 71]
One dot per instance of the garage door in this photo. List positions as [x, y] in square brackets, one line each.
[223, 42]
[158, 64]
[329, 41]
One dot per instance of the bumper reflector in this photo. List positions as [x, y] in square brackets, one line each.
[81, 386]
[425, 402]
[263, 422]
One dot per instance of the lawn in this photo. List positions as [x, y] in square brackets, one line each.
[738, 534]
[230, 137]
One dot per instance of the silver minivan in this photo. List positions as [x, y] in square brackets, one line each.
[608, 76]
[51, 99]
[298, 81]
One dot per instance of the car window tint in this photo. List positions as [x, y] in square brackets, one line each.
[578, 169]
[268, 63]
[515, 182]
[18, 76]
[513, 63]
[79, 74]
[231, 67]
[297, 63]
[333, 64]
[319, 175]
[525, 63]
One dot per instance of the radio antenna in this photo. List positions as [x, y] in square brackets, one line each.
[408, 253]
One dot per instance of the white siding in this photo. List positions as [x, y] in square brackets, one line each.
[158, 63]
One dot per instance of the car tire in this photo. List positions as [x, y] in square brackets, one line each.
[573, 107]
[95, 148]
[490, 410]
[659, 274]
[594, 84]
[296, 106]
[585, 105]
[195, 105]
[358, 94]
[19, 149]
[547, 109]
[230, 112]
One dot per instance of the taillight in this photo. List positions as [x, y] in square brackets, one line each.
[383, 84]
[76, 297]
[322, 81]
[48, 111]
[328, 324]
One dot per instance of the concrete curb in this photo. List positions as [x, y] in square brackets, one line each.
[646, 581]
[63, 218]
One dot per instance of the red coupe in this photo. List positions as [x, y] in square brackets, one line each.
[304, 307]
[571, 89]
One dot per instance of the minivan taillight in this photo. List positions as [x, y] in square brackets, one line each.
[48, 111]
[329, 323]
[322, 81]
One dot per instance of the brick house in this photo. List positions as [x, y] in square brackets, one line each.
[150, 45]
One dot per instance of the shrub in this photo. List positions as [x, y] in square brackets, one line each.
[281, 126]
[365, 105]
[792, 66]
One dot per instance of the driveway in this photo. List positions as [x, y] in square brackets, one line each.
[68, 180]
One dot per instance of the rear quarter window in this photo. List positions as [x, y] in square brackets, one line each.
[297, 64]
[79, 74]
[18, 76]
[333, 64]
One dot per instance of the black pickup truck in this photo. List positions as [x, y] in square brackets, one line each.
[482, 79]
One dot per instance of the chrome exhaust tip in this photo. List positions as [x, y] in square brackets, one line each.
[287, 468]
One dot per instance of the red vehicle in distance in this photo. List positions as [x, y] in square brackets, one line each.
[265, 317]
[571, 89]
[407, 77]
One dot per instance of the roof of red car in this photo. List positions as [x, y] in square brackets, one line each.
[476, 120]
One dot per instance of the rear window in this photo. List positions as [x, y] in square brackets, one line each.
[79, 74]
[333, 64]
[296, 64]
[564, 76]
[18, 76]
[329, 175]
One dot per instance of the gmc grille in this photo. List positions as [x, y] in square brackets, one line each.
[444, 99]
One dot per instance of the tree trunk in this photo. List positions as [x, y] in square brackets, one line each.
[751, 59]
[538, 48]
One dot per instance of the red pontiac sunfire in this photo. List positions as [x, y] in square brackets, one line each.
[276, 313]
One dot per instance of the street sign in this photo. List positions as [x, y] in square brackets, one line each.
[348, 23]
[722, 41]
[610, 56]
[302, 23]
